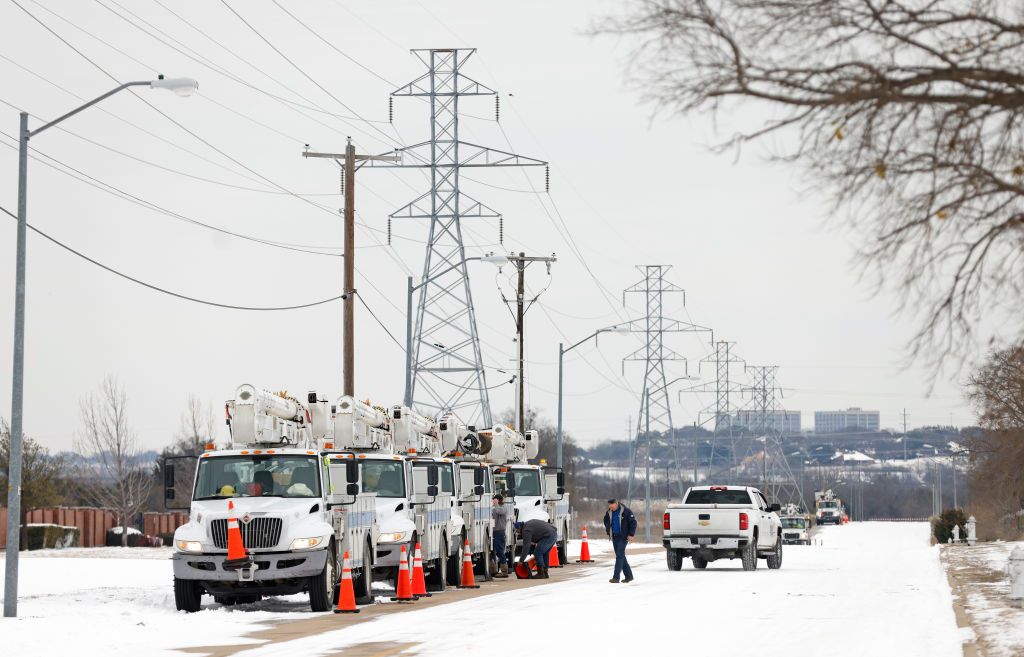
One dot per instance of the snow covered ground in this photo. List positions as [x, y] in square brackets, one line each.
[983, 588]
[870, 589]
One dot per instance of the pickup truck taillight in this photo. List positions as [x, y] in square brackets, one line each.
[744, 521]
[665, 524]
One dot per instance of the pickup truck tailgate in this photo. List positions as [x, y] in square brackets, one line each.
[708, 520]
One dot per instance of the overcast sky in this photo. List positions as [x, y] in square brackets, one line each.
[744, 237]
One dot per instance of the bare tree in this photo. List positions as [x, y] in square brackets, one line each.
[909, 112]
[112, 474]
[197, 427]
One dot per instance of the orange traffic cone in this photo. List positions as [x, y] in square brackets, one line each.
[419, 584]
[346, 593]
[584, 550]
[524, 569]
[237, 556]
[403, 588]
[467, 569]
[553, 561]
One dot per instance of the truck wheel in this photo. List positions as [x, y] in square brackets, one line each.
[749, 555]
[700, 563]
[562, 546]
[484, 567]
[363, 581]
[438, 577]
[455, 563]
[775, 558]
[674, 559]
[187, 594]
[321, 587]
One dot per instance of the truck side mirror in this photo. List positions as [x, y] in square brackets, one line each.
[561, 490]
[352, 473]
[177, 481]
[561, 481]
[169, 478]
[432, 490]
[352, 489]
[774, 507]
[478, 490]
[510, 493]
[478, 478]
[433, 477]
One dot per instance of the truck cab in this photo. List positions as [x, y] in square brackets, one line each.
[537, 492]
[795, 530]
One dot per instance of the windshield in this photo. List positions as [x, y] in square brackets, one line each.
[794, 523]
[386, 478]
[526, 482]
[827, 505]
[257, 476]
[718, 496]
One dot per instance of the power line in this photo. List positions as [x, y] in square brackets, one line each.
[164, 290]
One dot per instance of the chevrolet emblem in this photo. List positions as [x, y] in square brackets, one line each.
[703, 523]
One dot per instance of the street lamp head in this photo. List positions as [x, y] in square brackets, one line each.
[496, 259]
[183, 87]
[619, 329]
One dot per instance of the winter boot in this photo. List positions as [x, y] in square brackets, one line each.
[542, 573]
[502, 571]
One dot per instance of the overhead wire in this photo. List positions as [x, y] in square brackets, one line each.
[163, 290]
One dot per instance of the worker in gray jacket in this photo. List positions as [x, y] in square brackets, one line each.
[541, 536]
[499, 514]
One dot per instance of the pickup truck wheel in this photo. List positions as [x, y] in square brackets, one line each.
[674, 559]
[187, 594]
[749, 555]
[321, 587]
[775, 558]
[700, 563]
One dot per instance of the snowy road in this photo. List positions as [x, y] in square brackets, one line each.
[872, 589]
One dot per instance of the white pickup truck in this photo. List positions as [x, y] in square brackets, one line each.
[723, 522]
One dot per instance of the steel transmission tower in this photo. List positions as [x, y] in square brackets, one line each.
[724, 388]
[780, 484]
[655, 409]
[446, 367]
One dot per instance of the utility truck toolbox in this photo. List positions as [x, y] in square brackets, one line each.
[722, 522]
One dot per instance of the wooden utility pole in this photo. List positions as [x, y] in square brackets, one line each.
[347, 162]
[521, 262]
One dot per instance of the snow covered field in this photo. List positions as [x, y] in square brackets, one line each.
[871, 589]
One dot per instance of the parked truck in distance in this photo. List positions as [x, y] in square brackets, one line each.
[795, 530]
[722, 522]
[828, 508]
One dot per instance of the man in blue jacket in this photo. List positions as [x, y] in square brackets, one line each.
[620, 525]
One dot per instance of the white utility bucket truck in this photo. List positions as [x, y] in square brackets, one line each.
[296, 501]
[394, 449]
[535, 491]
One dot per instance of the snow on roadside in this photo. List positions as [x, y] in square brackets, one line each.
[981, 569]
[872, 589]
[120, 601]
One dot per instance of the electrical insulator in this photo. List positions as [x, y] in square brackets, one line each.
[497, 107]
[547, 178]
[501, 229]
[391, 109]
[389, 231]
[341, 181]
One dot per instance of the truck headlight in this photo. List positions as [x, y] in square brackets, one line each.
[190, 546]
[306, 543]
[396, 537]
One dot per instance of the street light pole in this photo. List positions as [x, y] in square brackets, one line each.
[622, 330]
[181, 87]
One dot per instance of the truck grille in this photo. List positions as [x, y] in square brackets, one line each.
[791, 536]
[258, 533]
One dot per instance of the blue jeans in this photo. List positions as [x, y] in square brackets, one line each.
[621, 565]
[543, 551]
[499, 547]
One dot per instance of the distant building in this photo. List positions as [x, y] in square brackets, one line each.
[851, 418]
[785, 421]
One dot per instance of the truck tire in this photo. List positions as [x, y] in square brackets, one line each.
[321, 587]
[455, 563]
[187, 595]
[749, 554]
[775, 558]
[363, 581]
[673, 559]
[562, 546]
[484, 567]
[700, 563]
[437, 579]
